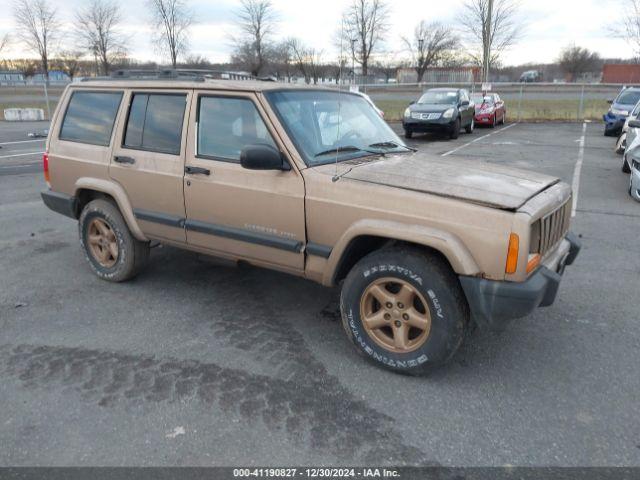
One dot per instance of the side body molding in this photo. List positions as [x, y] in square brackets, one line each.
[446, 243]
[117, 192]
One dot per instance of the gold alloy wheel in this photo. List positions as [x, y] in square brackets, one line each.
[103, 243]
[395, 315]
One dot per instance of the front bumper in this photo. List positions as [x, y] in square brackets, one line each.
[613, 124]
[634, 184]
[438, 125]
[493, 303]
[484, 118]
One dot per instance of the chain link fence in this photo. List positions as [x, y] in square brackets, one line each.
[524, 101]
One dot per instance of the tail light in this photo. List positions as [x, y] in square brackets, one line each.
[45, 168]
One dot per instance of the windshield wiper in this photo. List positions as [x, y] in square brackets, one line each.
[347, 148]
[391, 144]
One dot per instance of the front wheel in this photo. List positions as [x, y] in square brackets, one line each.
[408, 134]
[470, 127]
[110, 248]
[404, 310]
[455, 130]
[625, 166]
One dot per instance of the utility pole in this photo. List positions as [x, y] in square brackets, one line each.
[420, 55]
[487, 43]
[353, 60]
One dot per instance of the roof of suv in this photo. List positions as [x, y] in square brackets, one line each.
[236, 85]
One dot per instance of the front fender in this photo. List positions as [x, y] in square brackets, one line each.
[446, 243]
[119, 195]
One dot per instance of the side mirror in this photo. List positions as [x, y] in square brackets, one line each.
[412, 102]
[610, 101]
[634, 124]
[262, 157]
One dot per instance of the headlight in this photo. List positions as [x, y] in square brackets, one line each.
[635, 164]
[407, 113]
[448, 113]
[615, 111]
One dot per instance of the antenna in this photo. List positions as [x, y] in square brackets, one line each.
[335, 175]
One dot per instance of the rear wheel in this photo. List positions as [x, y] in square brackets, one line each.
[455, 130]
[110, 248]
[471, 126]
[404, 310]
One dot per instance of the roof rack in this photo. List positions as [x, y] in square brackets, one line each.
[194, 75]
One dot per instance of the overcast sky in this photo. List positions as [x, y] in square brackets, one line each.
[548, 25]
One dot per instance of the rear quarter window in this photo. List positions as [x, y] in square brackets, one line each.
[90, 117]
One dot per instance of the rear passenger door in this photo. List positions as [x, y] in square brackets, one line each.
[148, 160]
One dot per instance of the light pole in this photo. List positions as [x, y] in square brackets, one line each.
[420, 55]
[353, 60]
[487, 43]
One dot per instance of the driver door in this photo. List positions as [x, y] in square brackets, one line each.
[256, 215]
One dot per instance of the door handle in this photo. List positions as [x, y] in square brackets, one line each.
[197, 170]
[121, 159]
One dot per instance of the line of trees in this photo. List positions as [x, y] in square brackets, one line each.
[97, 34]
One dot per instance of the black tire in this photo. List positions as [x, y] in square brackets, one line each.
[132, 253]
[625, 166]
[504, 118]
[469, 128]
[408, 134]
[494, 122]
[455, 130]
[437, 284]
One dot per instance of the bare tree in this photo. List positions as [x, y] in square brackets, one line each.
[576, 61]
[171, 21]
[505, 28]
[308, 60]
[97, 28]
[364, 26]
[630, 29]
[4, 42]
[429, 45]
[69, 62]
[256, 20]
[37, 27]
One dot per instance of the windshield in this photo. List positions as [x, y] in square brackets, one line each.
[325, 125]
[439, 97]
[479, 99]
[628, 97]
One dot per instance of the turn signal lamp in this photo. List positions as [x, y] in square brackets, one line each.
[512, 253]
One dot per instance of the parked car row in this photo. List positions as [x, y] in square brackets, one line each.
[622, 120]
[449, 110]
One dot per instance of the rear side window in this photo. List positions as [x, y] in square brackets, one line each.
[155, 122]
[227, 125]
[90, 116]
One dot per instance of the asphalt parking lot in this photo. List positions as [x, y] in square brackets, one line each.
[197, 363]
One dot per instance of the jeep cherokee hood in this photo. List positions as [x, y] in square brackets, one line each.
[469, 180]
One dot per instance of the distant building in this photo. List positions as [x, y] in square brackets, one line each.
[621, 73]
[55, 76]
[440, 75]
[8, 77]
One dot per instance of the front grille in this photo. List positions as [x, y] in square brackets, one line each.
[550, 229]
[425, 116]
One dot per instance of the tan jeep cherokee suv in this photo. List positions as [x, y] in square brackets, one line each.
[314, 183]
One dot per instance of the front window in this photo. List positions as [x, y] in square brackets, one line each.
[333, 126]
[479, 99]
[439, 97]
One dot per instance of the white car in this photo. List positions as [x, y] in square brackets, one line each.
[625, 137]
[631, 160]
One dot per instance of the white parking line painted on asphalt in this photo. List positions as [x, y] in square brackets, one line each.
[25, 165]
[575, 184]
[23, 141]
[22, 154]
[477, 140]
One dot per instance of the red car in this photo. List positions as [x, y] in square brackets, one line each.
[490, 109]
